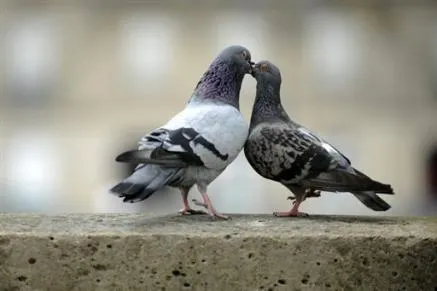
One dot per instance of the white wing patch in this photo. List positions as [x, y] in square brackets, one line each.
[222, 126]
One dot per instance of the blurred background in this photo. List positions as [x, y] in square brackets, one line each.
[82, 81]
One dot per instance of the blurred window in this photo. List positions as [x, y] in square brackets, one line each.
[243, 28]
[332, 45]
[147, 51]
[32, 59]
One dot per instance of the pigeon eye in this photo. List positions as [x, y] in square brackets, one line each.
[264, 68]
[245, 55]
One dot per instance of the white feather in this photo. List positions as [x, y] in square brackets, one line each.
[221, 124]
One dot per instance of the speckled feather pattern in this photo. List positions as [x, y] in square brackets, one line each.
[282, 153]
[282, 150]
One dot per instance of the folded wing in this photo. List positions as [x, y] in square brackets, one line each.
[300, 157]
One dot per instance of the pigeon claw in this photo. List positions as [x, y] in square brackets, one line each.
[312, 193]
[190, 211]
[290, 214]
[211, 211]
[219, 216]
[198, 203]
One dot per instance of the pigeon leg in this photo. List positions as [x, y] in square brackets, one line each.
[208, 204]
[300, 196]
[309, 193]
[187, 209]
[294, 211]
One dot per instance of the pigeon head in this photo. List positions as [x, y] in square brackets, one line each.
[267, 73]
[267, 105]
[222, 81]
[237, 56]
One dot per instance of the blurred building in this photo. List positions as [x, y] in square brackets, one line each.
[82, 81]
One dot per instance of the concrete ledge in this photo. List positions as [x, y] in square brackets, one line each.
[139, 252]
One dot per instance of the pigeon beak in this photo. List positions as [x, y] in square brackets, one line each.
[251, 64]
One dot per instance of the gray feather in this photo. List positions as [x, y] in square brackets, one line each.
[282, 150]
[341, 181]
[372, 201]
[184, 151]
[145, 181]
[151, 156]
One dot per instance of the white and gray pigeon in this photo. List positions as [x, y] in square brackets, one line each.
[282, 150]
[196, 145]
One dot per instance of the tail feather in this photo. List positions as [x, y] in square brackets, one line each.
[157, 156]
[388, 187]
[372, 201]
[127, 188]
[342, 181]
[144, 182]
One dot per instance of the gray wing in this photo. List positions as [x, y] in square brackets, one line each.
[171, 148]
[342, 178]
[293, 155]
[342, 160]
[285, 154]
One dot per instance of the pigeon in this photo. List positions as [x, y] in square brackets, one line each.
[198, 143]
[284, 151]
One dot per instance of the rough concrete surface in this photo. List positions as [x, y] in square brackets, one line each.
[249, 252]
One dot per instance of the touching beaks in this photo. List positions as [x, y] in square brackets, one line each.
[253, 70]
[251, 67]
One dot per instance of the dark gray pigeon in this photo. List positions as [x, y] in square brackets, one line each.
[282, 150]
[197, 144]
